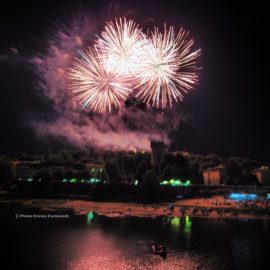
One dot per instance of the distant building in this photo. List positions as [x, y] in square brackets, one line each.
[263, 175]
[95, 168]
[25, 169]
[157, 153]
[214, 176]
[54, 169]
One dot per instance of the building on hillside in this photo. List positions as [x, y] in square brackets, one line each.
[263, 175]
[95, 168]
[25, 169]
[214, 176]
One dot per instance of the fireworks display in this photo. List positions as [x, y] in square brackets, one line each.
[94, 85]
[170, 68]
[122, 43]
[158, 67]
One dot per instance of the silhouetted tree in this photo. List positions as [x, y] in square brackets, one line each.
[167, 173]
[58, 174]
[69, 173]
[141, 169]
[84, 174]
[78, 166]
[150, 179]
[44, 174]
[112, 169]
[5, 172]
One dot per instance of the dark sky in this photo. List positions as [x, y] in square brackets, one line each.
[228, 111]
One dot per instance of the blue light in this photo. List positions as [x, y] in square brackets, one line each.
[268, 196]
[242, 197]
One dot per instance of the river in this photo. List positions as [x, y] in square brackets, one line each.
[95, 242]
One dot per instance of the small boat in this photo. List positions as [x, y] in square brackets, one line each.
[159, 250]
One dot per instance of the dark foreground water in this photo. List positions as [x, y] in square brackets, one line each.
[94, 242]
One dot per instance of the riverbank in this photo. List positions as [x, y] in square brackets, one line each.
[215, 207]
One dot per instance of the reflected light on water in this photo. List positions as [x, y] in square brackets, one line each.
[175, 222]
[188, 224]
[99, 251]
[89, 217]
[110, 262]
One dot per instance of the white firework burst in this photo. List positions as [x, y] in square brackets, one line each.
[94, 86]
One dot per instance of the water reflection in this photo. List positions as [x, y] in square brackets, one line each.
[124, 243]
[89, 217]
[188, 224]
[247, 250]
[100, 251]
[175, 222]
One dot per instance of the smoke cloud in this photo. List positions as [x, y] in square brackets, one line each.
[130, 128]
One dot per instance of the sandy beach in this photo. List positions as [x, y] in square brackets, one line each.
[215, 207]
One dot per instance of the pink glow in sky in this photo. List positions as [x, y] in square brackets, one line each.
[68, 121]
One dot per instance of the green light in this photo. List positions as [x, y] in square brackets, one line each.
[94, 180]
[136, 182]
[82, 181]
[175, 222]
[164, 182]
[187, 183]
[89, 217]
[64, 180]
[93, 170]
[176, 183]
[188, 224]
[73, 180]
[30, 179]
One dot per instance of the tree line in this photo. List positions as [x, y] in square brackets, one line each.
[127, 167]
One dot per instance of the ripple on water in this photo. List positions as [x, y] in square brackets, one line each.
[118, 261]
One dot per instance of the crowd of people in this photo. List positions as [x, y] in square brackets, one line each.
[222, 206]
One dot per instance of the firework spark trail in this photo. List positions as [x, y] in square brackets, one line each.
[109, 131]
[122, 42]
[96, 87]
[162, 67]
[170, 68]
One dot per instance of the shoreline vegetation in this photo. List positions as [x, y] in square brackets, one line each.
[214, 207]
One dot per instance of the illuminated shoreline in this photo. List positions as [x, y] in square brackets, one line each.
[204, 208]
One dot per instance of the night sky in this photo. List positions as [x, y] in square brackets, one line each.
[228, 112]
